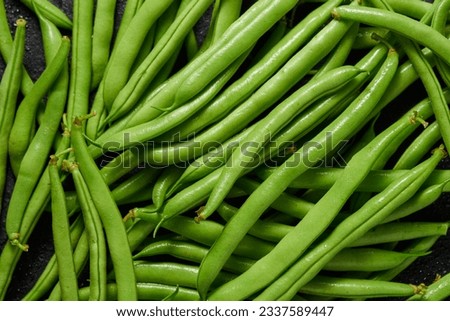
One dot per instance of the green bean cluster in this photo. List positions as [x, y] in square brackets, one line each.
[291, 152]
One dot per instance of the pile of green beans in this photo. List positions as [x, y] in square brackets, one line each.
[291, 150]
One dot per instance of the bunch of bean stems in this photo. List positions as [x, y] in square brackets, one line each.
[276, 155]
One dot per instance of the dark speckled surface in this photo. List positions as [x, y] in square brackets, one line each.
[32, 263]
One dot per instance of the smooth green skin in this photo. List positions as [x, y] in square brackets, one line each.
[419, 147]
[131, 7]
[102, 34]
[132, 92]
[49, 276]
[268, 231]
[367, 259]
[192, 252]
[139, 134]
[398, 231]
[22, 131]
[10, 254]
[61, 236]
[96, 238]
[355, 288]
[341, 128]
[9, 90]
[364, 39]
[350, 230]
[49, 11]
[172, 273]
[421, 245]
[400, 24]
[206, 233]
[415, 8]
[109, 214]
[30, 163]
[150, 292]
[125, 52]
[242, 88]
[81, 59]
[439, 23]
[224, 14]
[167, 178]
[270, 125]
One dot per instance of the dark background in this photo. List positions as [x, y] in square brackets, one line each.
[424, 270]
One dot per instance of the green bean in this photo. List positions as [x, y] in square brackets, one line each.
[364, 38]
[367, 259]
[94, 125]
[22, 131]
[149, 292]
[269, 231]
[109, 214]
[259, 200]
[61, 235]
[350, 230]
[206, 233]
[224, 14]
[172, 273]
[270, 125]
[81, 59]
[356, 288]
[398, 231]
[414, 9]
[437, 291]
[96, 237]
[11, 253]
[9, 90]
[403, 25]
[168, 177]
[102, 34]
[131, 7]
[49, 11]
[241, 89]
[130, 94]
[417, 246]
[30, 164]
[191, 252]
[125, 52]
[439, 22]
[419, 147]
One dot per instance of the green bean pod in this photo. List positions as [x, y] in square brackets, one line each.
[125, 52]
[50, 12]
[132, 92]
[367, 259]
[149, 292]
[298, 163]
[22, 131]
[403, 25]
[399, 231]
[109, 214]
[81, 59]
[9, 90]
[192, 252]
[49, 276]
[102, 34]
[172, 273]
[356, 288]
[61, 236]
[96, 237]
